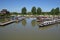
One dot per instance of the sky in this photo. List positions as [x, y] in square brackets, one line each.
[17, 5]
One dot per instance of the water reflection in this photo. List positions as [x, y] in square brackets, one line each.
[24, 22]
[33, 22]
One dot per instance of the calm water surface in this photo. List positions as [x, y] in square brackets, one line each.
[28, 29]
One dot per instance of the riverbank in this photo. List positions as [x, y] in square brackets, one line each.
[37, 15]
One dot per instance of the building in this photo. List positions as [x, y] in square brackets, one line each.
[3, 13]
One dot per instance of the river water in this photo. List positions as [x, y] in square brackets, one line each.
[28, 29]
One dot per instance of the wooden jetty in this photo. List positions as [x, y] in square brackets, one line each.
[6, 23]
[11, 21]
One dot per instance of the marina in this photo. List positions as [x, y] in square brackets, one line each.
[29, 19]
[29, 29]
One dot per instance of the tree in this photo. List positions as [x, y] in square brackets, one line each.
[24, 10]
[57, 11]
[39, 10]
[33, 10]
[53, 11]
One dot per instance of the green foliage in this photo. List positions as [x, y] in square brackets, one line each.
[53, 11]
[24, 10]
[39, 10]
[57, 11]
[15, 13]
[29, 13]
[33, 11]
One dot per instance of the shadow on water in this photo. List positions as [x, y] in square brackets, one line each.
[2, 26]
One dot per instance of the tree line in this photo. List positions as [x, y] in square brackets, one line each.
[34, 11]
[38, 11]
